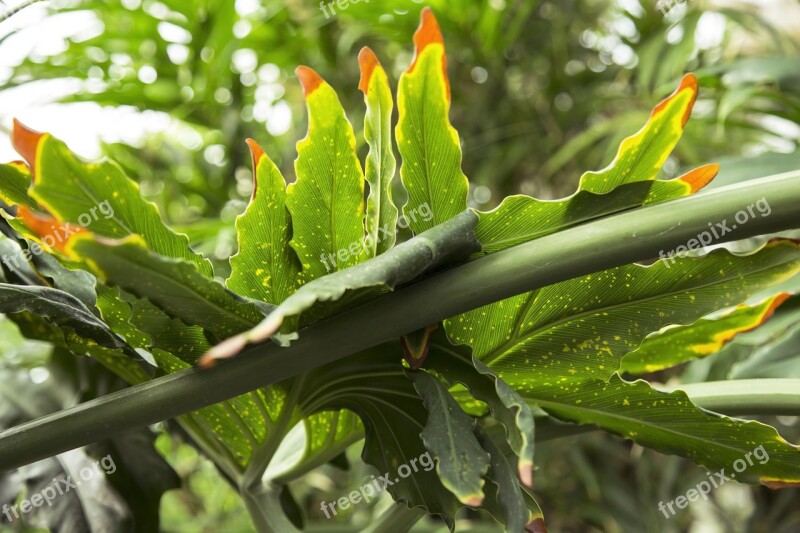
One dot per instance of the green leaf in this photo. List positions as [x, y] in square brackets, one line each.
[143, 325]
[59, 308]
[446, 243]
[373, 385]
[97, 196]
[629, 181]
[461, 462]
[504, 497]
[579, 329]
[429, 145]
[266, 267]
[675, 345]
[381, 218]
[173, 285]
[456, 365]
[327, 200]
[670, 423]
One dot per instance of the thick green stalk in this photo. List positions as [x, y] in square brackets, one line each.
[747, 396]
[612, 241]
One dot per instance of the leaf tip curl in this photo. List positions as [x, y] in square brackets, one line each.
[688, 83]
[257, 154]
[367, 61]
[233, 345]
[428, 33]
[25, 141]
[224, 350]
[536, 526]
[309, 79]
[700, 176]
[52, 233]
[525, 469]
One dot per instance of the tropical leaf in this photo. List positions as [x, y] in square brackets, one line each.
[509, 408]
[327, 200]
[61, 309]
[629, 181]
[173, 285]
[675, 345]
[579, 329]
[373, 385]
[429, 145]
[504, 497]
[670, 423]
[266, 267]
[381, 218]
[143, 325]
[447, 243]
[461, 462]
[97, 195]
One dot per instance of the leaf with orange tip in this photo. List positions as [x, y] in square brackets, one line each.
[265, 267]
[97, 196]
[676, 345]
[428, 143]
[327, 200]
[381, 217]
[26, 142]
[629, 181]
[50, 232]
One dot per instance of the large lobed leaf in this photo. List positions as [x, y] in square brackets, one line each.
[429, 145]
[579, 329]
[266, 267]
[381, 217]
[97, 195]
[327, 200]
[675, 345]
[628, 181]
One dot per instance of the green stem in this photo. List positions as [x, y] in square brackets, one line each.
[612, 241]
[747, 396]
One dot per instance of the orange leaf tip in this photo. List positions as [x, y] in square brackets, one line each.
[51, 232]
[257, 153]
[367, 61]
[427, 34]
[688, 82]
[309, 79]
[700, 177]
[25, 141]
